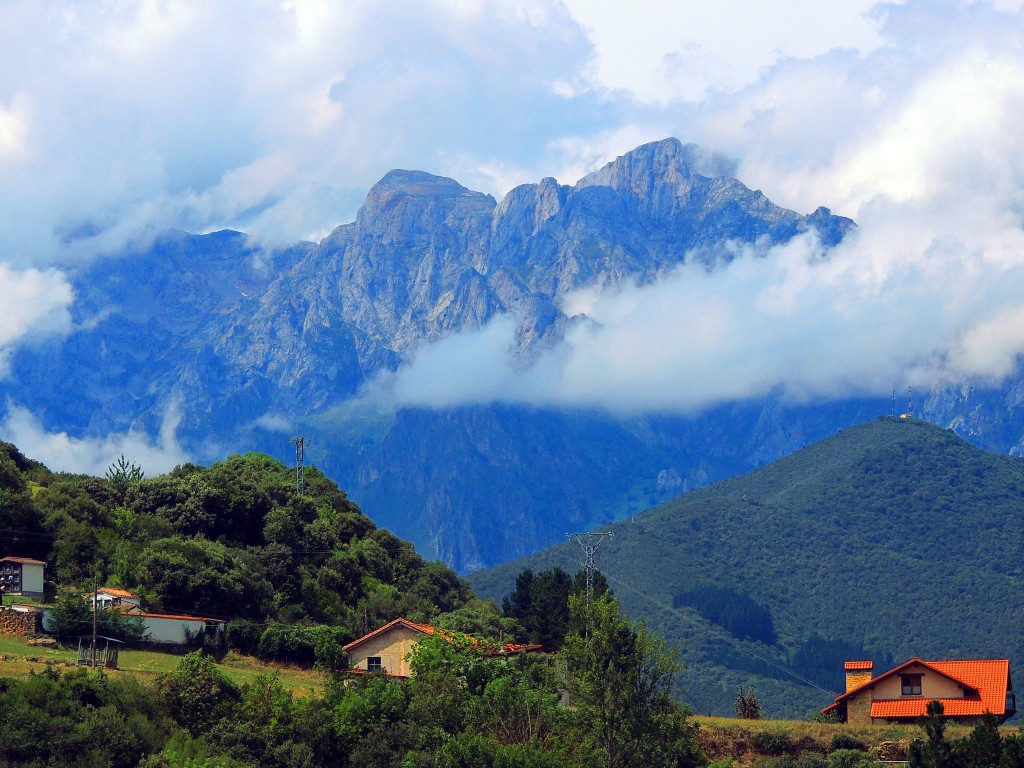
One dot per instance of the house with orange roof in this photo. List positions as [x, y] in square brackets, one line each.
[22, 576]
[113, 597]
[966, 689]
[388, 647]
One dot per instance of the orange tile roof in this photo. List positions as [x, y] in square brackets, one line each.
[115, 591]
[426, 629]
[850, 666]
[27, 560]
[989, 677]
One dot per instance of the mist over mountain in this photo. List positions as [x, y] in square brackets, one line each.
[441, 352]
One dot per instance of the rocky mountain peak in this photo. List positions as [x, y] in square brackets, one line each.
[666, 162]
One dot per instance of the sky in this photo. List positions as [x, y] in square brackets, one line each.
[119, 120]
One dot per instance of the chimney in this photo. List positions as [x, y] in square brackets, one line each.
[858, 673]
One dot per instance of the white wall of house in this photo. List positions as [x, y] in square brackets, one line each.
[171, 630]
[32, 579]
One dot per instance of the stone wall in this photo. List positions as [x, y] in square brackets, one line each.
[17, 623]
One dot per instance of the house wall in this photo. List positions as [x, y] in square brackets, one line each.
[933, 686]
[170, 630]
[392, 647]
[858, 708]
[32, 579]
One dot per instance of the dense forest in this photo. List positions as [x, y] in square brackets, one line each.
[881, 542]
[232, 541]
[298, 575]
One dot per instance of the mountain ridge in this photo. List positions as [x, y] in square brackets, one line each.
[243, 343]
[888, 539]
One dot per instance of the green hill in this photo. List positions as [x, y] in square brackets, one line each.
[887, 540]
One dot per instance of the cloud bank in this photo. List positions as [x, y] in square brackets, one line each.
[120, 120]
[918, 142]
[35, 304]
[93, 456]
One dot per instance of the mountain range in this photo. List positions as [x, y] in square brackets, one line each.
[239, 347]
[888, 540]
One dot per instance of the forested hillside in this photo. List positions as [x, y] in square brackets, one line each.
[888, 540]
[233, 540]
[236, 540]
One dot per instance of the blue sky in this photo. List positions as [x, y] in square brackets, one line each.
[121, 119]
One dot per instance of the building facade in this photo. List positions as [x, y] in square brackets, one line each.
[967, 690]
[22, 576]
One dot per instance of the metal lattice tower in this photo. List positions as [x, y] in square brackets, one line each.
[300, 446]
[589, 542]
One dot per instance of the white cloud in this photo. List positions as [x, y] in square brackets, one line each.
[118, 119]
[918, 141]
[93, 456]
[34, 304]
[666, 50]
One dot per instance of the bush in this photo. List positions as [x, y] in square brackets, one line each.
[244, 636]
[781, 761]
[811, 760]
[846, 741]
[771, 742]
[849, 758]
[303, 645]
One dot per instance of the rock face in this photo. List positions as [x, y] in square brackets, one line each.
[236, 339]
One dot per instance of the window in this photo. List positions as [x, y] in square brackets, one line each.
[911, 685]
[373, 663]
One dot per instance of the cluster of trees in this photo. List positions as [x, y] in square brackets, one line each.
[539, 603]
[732, 610]
[461, 709]
[233, 540]
[984, 747]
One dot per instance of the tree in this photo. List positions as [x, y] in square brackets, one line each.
[197, 694]
[123, 474]
[621, 678]
[747, 705]
[935, 751]
[540, 603]
[72, 617]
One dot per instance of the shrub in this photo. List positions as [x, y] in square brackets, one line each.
[303, 645]
[771, 742]
[811, 760]
[780, 761]
[845, 741]
[849, 758]
[244, 636]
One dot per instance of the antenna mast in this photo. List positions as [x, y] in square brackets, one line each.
[910, 401]
[300, 445]
[589, 543]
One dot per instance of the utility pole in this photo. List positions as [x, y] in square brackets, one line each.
[589, 542]
[300, 445]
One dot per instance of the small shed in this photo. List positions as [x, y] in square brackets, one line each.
[106, 651]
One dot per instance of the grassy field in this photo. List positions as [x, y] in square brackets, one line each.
[742, 743]
[18, 659]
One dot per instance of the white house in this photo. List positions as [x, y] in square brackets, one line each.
[110, 597]
[22, 576]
